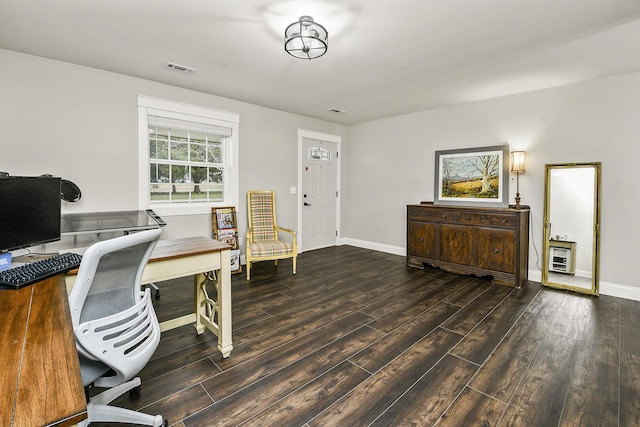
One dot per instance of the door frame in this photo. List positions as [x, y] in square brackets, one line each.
[337, 139]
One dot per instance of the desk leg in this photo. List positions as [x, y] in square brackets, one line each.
[215, 315]
[199, 291]
[223, 286]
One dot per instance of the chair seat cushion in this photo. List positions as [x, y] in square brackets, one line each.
[270, 248]
[91, 370]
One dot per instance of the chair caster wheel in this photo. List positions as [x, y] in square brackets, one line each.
[135, 391]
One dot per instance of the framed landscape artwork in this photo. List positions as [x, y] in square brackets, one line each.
[472, 176]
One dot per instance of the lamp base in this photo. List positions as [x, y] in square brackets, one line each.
[517, 200]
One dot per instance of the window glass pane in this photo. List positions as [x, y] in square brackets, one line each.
[179, 150]
[187, 161]
[180, 174]
[198, 153]
[198, 174]
[215, 186]
[216, 175]
[160, 186]
[158, 149]
[319, 153]
[216, 155]
[159, 172]
[158, 146]
[160, 196]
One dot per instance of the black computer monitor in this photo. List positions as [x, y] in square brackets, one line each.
[29, 211]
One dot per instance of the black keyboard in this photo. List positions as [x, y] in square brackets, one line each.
[18, 277]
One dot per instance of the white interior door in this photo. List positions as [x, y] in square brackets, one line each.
[319, 193]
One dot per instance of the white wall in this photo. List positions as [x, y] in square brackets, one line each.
[81, 124]
[391, 162]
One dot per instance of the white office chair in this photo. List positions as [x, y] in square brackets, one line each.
[115, 326]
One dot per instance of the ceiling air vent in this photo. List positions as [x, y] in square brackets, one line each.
[336, 110]
[182, 68]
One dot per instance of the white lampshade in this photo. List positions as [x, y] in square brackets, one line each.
[517, 161]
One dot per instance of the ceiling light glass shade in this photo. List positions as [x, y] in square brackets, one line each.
[306, 39]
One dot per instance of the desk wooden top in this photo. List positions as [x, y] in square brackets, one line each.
[41, 382]
[176, 248]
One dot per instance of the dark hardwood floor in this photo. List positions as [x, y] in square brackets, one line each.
[356, 339]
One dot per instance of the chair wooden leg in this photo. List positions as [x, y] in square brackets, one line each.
[294, 265]
[248, 270]
[275, 263]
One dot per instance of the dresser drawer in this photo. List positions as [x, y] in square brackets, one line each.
[479, 218]
[431, 214]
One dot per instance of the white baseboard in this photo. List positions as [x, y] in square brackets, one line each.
[620, 291]
[606, 288]
[395, 250]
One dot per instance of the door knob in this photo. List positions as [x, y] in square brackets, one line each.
[307, 204]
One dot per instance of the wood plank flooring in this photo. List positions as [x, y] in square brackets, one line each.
[358, 339]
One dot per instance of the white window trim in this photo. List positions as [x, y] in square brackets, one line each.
[160, 107]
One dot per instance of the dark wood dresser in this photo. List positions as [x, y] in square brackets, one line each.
[470, 240]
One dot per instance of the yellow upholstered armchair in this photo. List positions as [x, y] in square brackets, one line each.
[263, 243]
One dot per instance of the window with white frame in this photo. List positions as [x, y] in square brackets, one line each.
[188, 156]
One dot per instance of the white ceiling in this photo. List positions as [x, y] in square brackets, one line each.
[385, 57]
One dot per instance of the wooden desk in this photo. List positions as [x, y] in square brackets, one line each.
[41, 382]
[208, 261]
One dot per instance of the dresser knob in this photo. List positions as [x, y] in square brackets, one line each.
[444, 216]
[504, 220]
[496, 250]
[421, 240]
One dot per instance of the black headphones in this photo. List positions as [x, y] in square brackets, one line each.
[69, 192]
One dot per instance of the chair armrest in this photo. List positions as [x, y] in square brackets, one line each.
[286, 230]
[293, 236]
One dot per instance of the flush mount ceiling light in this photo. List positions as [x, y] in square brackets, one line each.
[306, 39]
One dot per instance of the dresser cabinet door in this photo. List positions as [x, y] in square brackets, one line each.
[422, 240]
[496, 249]
[457, 244]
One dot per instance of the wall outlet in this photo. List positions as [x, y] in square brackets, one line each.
[292, 190]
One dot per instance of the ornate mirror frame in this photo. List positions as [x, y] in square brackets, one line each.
[572, 193]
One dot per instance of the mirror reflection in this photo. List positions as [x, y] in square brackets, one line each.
[571, 227]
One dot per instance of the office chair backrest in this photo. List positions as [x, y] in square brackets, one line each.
[109, 276]
[113, 319]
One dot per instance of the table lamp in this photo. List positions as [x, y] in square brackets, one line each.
[517, 166]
